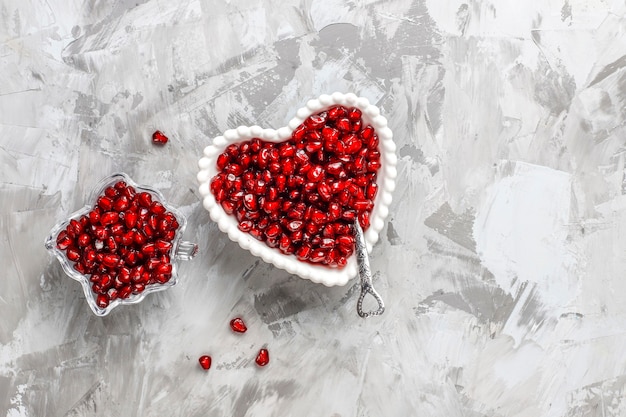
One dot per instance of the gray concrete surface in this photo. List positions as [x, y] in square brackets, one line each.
[502, 262]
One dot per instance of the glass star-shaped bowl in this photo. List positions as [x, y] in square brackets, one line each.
[180, 250]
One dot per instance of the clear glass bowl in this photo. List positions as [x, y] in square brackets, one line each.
[180, 250]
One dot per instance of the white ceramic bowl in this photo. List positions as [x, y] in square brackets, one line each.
[385, 180]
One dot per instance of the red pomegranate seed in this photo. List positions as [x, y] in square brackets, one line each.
[112, 293]
[237, 325]
[263, 357]
[223, 160]
[102, 300]
[83, 240]
[121, 203]
[105, 203]
[117, 229]
[110, 260]
[164, 269]
[162, 279]
[205, 362]
[163, 246]
[343, 124]
[94, 216]
[273, 230]
[73, 254]
[159, 138]
[354, 114]
[124, 292]
[63, 240]
[337, 112]
[89, 254]
[109, 217]
[144, 199]
[364, 219]
[111, 192]
[124, 275]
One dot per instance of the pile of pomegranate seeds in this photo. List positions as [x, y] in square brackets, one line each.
[122, 245]
[159, 138]
[302, 196]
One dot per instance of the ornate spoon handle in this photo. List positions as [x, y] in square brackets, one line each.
[365, 274]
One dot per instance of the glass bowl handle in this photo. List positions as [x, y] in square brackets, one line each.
[186, 250]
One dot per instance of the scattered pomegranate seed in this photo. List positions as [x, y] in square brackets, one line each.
[159, 138]
[122, 245]
[205, 362]
[263, 358]
[238, 325]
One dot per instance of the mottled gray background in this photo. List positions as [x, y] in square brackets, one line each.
[502, 261]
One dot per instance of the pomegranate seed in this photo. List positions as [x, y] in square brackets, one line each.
[364, 219]
[315, 174]
[164, 269]
[205, 362]
[124, 292]
[124, 275]
[361, 205]
[148, 249]
[144, 199]
[367, 134]
[354, 114]
[163, 246]
[159, 138]
[120, 185]
[89, 254]
[109, 217]
[94, 216]
[110, 260]
[250, 201]
[223, 160]
[237, 325]
[102, 300]
[73, 254]
[318, 216]
[75, 227]
[343, 124]
[112, 293]
[273, 230]
[162, 279]
[263, 357]
[117, 229]
[63, 240]
[318, 255]
[121, 203]
[106, 281]
[111, 192]
[105, 203]
[336, 112]
[299, 133]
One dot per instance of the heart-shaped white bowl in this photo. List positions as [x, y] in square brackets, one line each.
[322, 274]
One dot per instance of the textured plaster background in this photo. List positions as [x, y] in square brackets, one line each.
[502, 263]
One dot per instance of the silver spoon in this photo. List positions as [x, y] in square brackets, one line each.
[365, 275]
